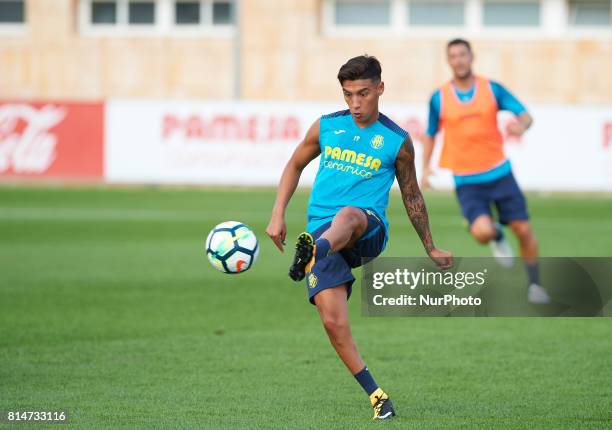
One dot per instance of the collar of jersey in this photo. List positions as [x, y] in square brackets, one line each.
[369, 127]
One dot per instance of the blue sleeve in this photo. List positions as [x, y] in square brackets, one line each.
[434, 114]
[506, 100]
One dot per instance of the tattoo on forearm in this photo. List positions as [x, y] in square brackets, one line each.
[411, 194]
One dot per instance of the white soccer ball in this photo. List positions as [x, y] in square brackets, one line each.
[232, 247]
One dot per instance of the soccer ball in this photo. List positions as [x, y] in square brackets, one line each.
[232, 247]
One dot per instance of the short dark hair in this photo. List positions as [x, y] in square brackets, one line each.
[361, 67]
[455, 42]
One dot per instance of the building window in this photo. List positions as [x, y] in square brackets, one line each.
[511, 13]
[443, 18]
[362, 13]
[436, 13]
[104, 12]
[141, 12]
[590, 13]
[187, 12]
[184, 18]
[118, 12]
[206, 12]
[223, 13]
[12, 12]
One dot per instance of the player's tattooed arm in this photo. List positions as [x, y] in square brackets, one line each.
[411, 194]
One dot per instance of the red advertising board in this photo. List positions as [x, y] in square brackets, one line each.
[51, 140]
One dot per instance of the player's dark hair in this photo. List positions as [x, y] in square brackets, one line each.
[361, 67]
[455, 42]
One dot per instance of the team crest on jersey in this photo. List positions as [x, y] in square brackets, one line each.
[377, 141]
[312, 280]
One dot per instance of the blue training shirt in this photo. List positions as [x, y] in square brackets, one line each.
[357, 167]
[505, 101]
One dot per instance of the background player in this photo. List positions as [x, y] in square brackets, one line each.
[466, 109]
[362, 151]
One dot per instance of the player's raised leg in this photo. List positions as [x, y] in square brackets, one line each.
[333, 310]
[484, 230]
[346, 227]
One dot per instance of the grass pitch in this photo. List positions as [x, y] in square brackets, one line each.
[108, 308]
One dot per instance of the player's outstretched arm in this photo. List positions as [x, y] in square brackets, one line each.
[428, 147]
[428, 138]
[305, 152]
[519, 128]
[415, 204]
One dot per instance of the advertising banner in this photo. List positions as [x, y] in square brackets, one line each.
[51, 140]
[248, 143]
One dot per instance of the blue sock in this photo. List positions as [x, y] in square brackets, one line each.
[322, 249]
[500, 232]
[366, 381]
[533, 273]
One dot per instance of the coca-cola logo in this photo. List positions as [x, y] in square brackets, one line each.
[26, 143]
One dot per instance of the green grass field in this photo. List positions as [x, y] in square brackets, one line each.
[108, 308]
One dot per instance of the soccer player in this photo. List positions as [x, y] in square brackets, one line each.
[465, 108]
[362, 151]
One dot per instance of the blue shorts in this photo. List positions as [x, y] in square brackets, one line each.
[504, 193]
[335, 269]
